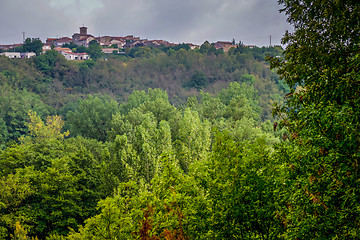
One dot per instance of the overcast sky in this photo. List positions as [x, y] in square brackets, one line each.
[177, 21]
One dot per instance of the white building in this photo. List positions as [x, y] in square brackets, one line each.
[75, 56]
[11, 54]
[109, 50]
[46, 48]
[120, 43]
[27, 55]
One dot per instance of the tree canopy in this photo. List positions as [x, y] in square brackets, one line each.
[322, 112]
[33, 45]
[94, 50]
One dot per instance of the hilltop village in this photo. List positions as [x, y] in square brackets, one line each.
[109, 44]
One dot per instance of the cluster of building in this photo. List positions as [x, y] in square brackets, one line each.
[68, 53]
[130, 41]
[109, 43]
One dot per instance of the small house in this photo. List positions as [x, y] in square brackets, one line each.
[11, 54]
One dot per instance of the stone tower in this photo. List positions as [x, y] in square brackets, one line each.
[83, 30]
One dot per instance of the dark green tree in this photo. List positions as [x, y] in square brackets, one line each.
[181, 46]
[94, 50]
[81, 49]
[207, 48]
[140, 52]
[198, 80]
[46, 62]
[92, 117]
[70, 45]
[321, 188]
[3, 133]
[14, 108]
[50, 186]
[33, 45]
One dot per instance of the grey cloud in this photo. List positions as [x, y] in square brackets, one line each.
[250, 21]
[80, 8]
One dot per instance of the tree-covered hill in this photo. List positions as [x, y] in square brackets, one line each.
[174, 71]
[50, 84]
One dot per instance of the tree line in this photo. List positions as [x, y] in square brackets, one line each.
[49, 84]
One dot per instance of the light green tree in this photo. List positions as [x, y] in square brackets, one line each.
[15, 189]
[45, 131]
[192, 139]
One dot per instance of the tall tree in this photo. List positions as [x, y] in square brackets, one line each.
[92, 117]
[14, 107]
[33, 45]
[321, 65]
[46, 62]
[94, 50]
[198, 80]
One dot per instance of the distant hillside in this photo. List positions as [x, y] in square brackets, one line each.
[57, 80]
[51, 84]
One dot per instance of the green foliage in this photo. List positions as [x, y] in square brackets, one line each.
[59, 81]
[192, 139]
[92, 117]
[240, 191]
[145, 100]
[15, 189]
[56, 184]
[211, 168]
[181, 46]
[147, 165]
[137, 144]
[49, 131]
[3, 133]
[198, 80]
[21, 234]
[94, 50]
[33, 45]
[228, 195]
[140, 52]
[115, 220]
[321, 114]
[70, 45]
[167, 151]
[82, 49]
[21, 74]
[135, 212]
[46, 62]
[15, 105]
[207, 48]
[244, 92]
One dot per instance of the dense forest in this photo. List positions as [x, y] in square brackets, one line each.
[174, 143]
[51, 85]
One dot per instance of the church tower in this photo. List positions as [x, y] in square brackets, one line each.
[83, 30]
